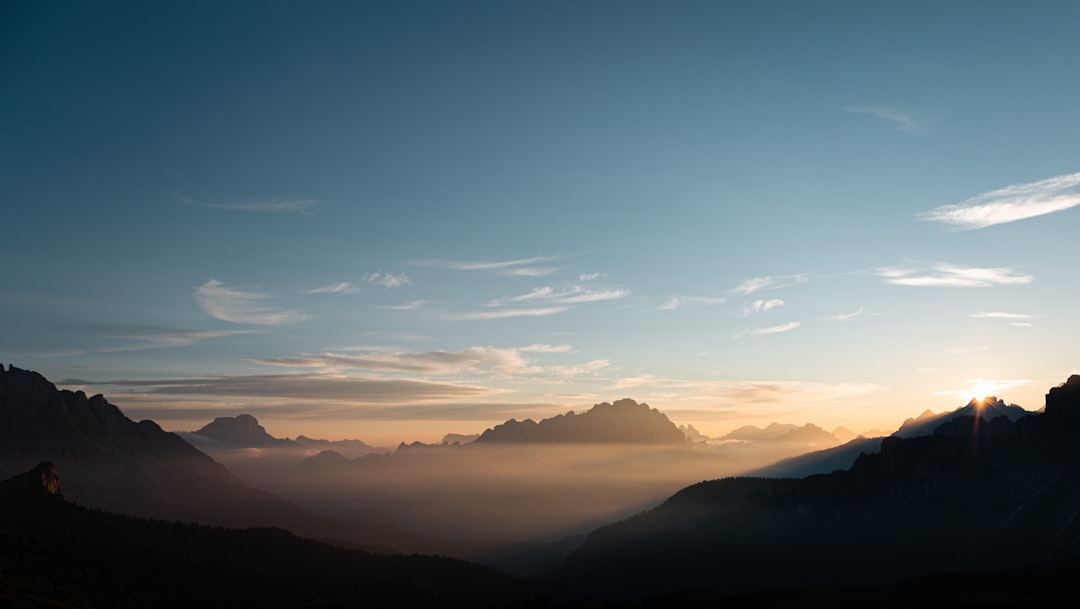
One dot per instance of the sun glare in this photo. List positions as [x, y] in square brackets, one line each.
[980, 391]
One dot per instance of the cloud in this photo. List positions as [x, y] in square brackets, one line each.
[678, 302]
[531, 271]
[950, 275]
[761, 306]
[241, 306]
[408, 306]
[388, 280]
[844, 316]
[482, 265]
[591, 276]
[775, 329]
[1021, 324]
[542, 348]
[274, 206]
[769, 282]
[1009, 204]
[341, 287]
[901, 119]
[573, 295]
[505, 313]
[304, 387]
[473, 360]
[1000, 315]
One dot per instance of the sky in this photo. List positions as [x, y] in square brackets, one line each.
[395, 220]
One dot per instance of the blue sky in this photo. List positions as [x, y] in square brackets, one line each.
[396, 220]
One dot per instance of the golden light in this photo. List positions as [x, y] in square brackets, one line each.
[981, 390]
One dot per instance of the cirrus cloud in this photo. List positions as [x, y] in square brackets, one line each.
[1009, 204]
[242, 305]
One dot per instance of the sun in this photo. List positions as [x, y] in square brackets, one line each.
[980, 391]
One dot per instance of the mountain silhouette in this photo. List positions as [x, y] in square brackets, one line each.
[625, 421]
[985, 409]
[975, 495]
[242, 431]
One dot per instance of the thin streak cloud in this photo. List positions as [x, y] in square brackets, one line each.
[1009, 204]
[241, 306]
[341, 287]
[902, 120]
[761, 306]
[482, 265]
[769, 282]
[273, 206]
[775, 329]
[953, 276]
[1000, 315]
[408, 306]
[507, 313]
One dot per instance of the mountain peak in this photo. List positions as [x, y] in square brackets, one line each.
[624, 420]
[242, 430]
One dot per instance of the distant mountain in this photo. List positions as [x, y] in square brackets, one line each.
[459, 438]
[625, 421]
[987, 409]
[976, 495]
[242, 431]
[58, 554]
[781, 432]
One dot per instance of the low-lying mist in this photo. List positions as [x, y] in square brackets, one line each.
[537, 492]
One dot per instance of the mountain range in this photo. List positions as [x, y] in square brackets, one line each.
[624, 421]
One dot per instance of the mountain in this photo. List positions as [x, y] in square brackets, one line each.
[781, 432]
[625, 421]
[242, 431]
[985, 409]
[113, 463]
[976, 495]
[58, 554]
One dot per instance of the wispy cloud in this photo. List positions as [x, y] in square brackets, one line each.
[274, 206]
[489, 361]
[531, 271]
[950, 275]
[573, 295]
[494, 265]
[844, 316]
[590, 276]
[769, 282]
[678, 302]
[507, 313]
[341, 287]
[761, 306]
[902, 120]
[1000, 315]
[388, 280]
[304, 387]
[544, 348]
[775, 329]
[241, 305]
[1009, 204]
[408, 306]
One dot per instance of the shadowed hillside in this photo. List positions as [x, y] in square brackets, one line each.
[57, 554]
[975, 495]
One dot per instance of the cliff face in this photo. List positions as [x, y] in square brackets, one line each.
[975, 495]
[113, 463]
[625, 421]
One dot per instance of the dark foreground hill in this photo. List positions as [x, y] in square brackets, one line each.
[58, 554]
[975, 496]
